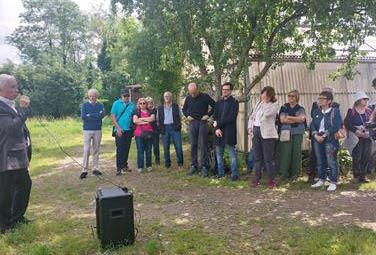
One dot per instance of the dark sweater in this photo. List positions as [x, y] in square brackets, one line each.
[354, 119]
[198, 106]
[92, 115]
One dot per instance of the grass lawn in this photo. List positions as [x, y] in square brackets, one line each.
[174, 213]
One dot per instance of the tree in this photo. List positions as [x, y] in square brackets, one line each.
[56, 91]
[51, 28]
[219, 38]
[148, 57]
[104, 60]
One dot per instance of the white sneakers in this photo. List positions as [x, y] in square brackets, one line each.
[332, 186]
[318, 184]
[140, 170]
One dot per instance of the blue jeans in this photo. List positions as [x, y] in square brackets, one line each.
[326, 154]
[220, 149]
[143, 147]
[169, 133]
[250, 161]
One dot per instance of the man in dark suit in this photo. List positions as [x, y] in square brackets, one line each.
[225, 113]
[15, 182]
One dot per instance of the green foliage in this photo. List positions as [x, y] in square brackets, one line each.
[148, 57]
[104, 60]
[344, 161]
[218, 37]
[53, 28]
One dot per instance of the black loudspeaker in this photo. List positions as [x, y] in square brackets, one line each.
[115, 216]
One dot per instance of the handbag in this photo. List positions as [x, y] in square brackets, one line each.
[341, 133]
[285, 135]
[117, 119]
[146, 134]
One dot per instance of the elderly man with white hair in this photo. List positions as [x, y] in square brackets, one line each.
[92, 113]
[15, 182]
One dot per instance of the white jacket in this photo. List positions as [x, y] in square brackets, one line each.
[267, 119]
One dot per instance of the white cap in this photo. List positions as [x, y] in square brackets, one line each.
[360, 95]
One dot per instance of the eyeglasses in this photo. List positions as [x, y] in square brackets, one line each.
[226, 89]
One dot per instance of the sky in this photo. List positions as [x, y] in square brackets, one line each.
[9, 20]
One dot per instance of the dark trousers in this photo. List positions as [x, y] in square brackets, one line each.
[198, 131]
[312, 165]
[360, 158]
[264, 154]
[15, 186]
[155, 144]
[123, 144]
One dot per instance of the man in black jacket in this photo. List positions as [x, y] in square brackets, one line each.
[225, 114]
[15, 182]
[196, 109]
[169, 123]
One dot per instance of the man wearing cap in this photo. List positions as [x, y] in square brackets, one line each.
[121, 115]
[356, 121]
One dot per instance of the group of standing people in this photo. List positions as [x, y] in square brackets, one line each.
[276, 133]
[143, 121]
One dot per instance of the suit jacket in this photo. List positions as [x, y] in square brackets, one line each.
[267, 121]
[225, 113]
[13, 151]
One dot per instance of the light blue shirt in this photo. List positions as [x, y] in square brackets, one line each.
[125, 120]
[168, 119]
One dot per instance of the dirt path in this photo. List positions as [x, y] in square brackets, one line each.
[237, 214]
[247, 212]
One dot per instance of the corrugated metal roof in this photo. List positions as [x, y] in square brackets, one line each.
[298, 58]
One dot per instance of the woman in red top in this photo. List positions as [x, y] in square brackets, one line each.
[143, 134]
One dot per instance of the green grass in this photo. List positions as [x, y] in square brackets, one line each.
[63, 216]
[331, 241]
